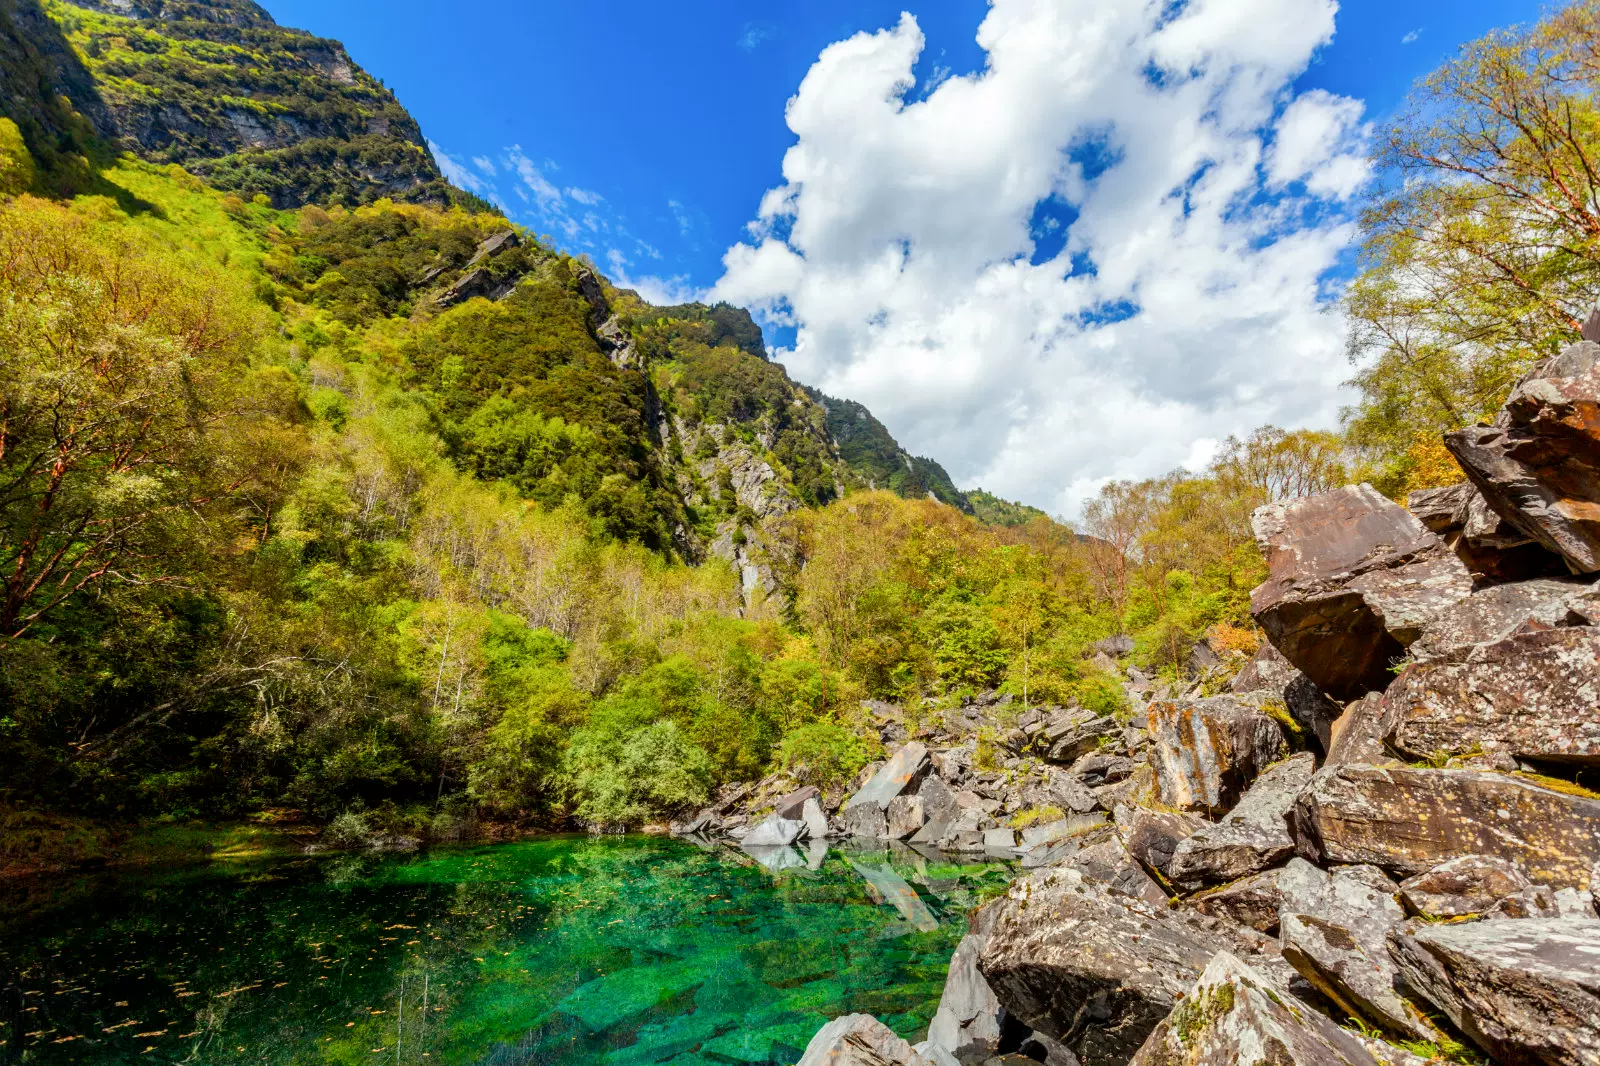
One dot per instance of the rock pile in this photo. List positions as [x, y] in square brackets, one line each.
[1426, 866]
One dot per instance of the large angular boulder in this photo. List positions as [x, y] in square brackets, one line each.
[1237, 1016]
[1357, 734]
[859, 1040]
[1538, 465]
[970, 1022]
[1252, 901]
[1152, 837]
[1095, 969]
[1274, 676]
[1267, 671]
[1524, 991]
[1535, 695]
[1354, 579]
[1072, 733]
[1468, 884]
[1254, 836]
[1408, 821]
[1493, 614]
[1109, 863]
[1207, 751]
[865, 814]
[775, 832]
[1491, 548]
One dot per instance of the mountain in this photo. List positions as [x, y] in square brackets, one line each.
[992, 510]
[220, 89]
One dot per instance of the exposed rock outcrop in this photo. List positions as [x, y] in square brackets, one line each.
[1354, 580]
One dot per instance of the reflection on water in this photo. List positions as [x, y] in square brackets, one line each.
[561, 950]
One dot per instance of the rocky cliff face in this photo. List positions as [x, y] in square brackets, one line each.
[1421, 880]
[218, 87]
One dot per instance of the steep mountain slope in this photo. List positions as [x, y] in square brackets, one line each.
[879, 461]
[220, 88]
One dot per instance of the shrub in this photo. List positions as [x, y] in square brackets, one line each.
[823, 754]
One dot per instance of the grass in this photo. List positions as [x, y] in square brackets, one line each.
[1557, 784]
[1035, 815]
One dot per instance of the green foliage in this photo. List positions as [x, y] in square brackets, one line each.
[992, 510]
[824, 754]
[653, 772]
[16, 163]
[878, 461]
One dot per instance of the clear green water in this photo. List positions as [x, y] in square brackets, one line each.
[623, 951]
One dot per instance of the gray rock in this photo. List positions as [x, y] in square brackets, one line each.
[1069, 793]
[938, 800]
[1535, 901]
[1468, 884]
[889, 887]
[1267, 671]
[1574, 903]
[1333, 929]
[1533, 695]
[904, 817]
[1237, 1016]
[1207, 751]
[794, 804]
[1525, 992]
[1492, 549]
[1095, 969]
[970, 1021]
[903, 771]
[816, 822]
[1072, 733]
[776, 858]
[1109, 862]
[775, 832]
[858, 1040]
[1116, 646]
[1151, 837]
[866, 820]
[1354, 580]
[1252, 901]
[1254, 836]
[999, 839]
[1538, 465]
[1408, 821]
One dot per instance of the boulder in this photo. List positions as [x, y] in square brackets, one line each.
[817, 828]
[1254, 836]
[1538, 465]
[1535, 901]
[1267, 671]
[1072, 733]
[1095, 969]
[1207, 751]
[970, 1022]
[1354, 579]
[1333, 928]
[1069, 793]
[904, 817]
[1534, 695]
[794, 804]
[1468, 884]
[1116, 646]
[1408, 821]
[1493, 614]
[1236, 1015]
[1251, 901]
[938, 799]
[1492, 549]
[775, 832]
[1151, 837]
[1525, 992]
[1357, 735]
[866, 820]
[903, 771]
[1575, 903]
[1109, 862]
[858, 1040]
[999, 839]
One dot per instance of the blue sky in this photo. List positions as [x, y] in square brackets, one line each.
[648, 135]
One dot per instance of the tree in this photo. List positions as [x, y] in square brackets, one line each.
[1482, 253]
[120, 368]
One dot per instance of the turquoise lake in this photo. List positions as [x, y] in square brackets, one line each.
[624, 951]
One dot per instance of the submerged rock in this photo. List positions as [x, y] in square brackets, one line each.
[1207, 751]
[1525, 991]
[1408, 821]
[1354, 580]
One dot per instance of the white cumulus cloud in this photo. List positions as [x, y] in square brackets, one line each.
[1095, 258]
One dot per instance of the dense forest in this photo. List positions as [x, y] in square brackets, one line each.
[325, 488]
